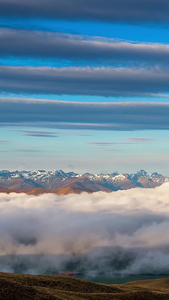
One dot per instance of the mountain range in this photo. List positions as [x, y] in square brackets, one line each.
[59, 182]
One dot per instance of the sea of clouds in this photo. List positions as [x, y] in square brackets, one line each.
[123, 232]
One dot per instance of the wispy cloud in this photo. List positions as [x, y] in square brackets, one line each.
[140, 140]
[4, 142]
[113, 11]
[130, 141]
[28, 150]
[104, 144]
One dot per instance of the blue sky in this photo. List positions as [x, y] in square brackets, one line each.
[72, 56]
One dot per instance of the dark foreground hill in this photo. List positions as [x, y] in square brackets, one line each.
[17, 287]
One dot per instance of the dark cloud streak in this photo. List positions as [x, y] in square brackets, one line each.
[37, 133]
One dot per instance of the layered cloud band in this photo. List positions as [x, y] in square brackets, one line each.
[26, 43]
[84, 81]
[149, 11]
[96, 116]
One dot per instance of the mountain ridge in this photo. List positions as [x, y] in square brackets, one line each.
[60, 182]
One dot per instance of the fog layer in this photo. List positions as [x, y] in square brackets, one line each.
[119, 232]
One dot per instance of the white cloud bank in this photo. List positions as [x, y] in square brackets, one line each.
[121, 232]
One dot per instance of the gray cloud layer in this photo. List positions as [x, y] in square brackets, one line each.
[84, 81]
[123, 232]
[105, 116]
[109, 10]
[66, 46]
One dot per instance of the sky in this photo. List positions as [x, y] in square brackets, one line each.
[84, 85]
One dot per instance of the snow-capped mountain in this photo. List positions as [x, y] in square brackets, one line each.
[53, 180]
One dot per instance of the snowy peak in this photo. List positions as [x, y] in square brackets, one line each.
[142, 173]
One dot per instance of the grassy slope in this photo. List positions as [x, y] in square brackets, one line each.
[17, 287]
